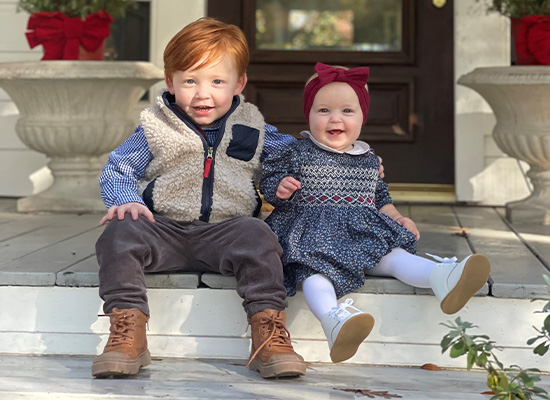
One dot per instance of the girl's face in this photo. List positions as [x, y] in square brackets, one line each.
[335, 119]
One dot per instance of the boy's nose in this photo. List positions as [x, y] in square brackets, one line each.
[201, 92]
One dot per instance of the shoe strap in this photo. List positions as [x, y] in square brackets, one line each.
[279, 335]
[443, 260]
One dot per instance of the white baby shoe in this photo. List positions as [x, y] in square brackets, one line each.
[455, 283]
[345, 328]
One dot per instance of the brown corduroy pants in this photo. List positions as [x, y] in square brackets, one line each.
[243, 247]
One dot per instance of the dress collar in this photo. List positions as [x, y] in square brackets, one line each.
[359, 147]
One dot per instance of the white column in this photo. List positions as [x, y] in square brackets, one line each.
[484, 174]
[168, 17]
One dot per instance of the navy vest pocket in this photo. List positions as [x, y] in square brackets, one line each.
[244, 142]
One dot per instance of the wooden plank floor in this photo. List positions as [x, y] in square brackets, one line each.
[58, 249]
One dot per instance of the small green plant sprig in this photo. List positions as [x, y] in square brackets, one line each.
[77, 8]
[544, 332]
[511, 383]
[518, 8]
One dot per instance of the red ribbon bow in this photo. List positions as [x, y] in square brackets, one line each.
[327, 74]
[533, 40]
[355, 77]
[61, 36]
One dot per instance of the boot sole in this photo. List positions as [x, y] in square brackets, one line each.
[278, 369]
[107, 368]
[353, 333]
[475, 275]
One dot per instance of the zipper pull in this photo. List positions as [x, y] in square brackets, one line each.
[208, 163]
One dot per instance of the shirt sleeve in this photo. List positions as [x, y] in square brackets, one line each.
[125, 167]
[278, 165]
[274, 141]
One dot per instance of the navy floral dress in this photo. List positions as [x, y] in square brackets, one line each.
[332, 225]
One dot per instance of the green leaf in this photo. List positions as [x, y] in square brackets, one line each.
[541, 349]
[471, 359]
[533, 340]
[446, 342]
[539, 390]
[482, 359]
[458, 350]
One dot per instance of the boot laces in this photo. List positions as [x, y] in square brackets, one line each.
[122, 328]
[444, 260]
[279, 336]
[341, 311]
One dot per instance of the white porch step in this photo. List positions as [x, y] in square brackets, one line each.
[210, 324]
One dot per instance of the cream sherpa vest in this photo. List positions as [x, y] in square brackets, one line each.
[180, 190]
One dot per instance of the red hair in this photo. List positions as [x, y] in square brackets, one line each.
[206, 41]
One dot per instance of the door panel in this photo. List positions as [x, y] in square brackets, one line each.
[411, 119]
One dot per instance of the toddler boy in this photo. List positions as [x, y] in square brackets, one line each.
[181, 196]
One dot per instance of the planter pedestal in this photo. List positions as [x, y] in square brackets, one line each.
[520, 98]
[75, 112]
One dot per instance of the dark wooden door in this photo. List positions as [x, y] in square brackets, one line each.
[411, 119]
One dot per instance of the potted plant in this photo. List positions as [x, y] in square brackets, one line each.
[72, 29]
[530, 28]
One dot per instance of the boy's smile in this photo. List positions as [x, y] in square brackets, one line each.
[206, 93]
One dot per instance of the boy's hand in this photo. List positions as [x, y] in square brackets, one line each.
[134, 209]
[380, 168]
[410, 225]
[287, 187]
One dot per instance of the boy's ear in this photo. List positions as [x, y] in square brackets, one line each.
[241, 83]
[169, 84]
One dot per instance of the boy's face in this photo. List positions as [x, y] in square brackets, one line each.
[206, 93]
[336, 117]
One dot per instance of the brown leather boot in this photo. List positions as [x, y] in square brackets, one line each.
[126, 350]
[272, 354]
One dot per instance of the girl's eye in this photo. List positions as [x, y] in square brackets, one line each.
[217, 81]
[323, 110]
[347, 111]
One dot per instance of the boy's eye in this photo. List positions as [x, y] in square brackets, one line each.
[189, 81]
[217, 81]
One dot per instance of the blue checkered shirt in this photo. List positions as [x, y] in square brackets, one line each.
[126, 164]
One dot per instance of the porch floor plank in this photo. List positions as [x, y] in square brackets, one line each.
[515, 271]
[59, 249]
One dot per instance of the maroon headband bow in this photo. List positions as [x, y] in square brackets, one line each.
[355, 77]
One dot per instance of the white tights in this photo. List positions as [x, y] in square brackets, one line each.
[408, 268]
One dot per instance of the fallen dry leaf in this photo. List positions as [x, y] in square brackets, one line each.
[371, 393]
[431, 367]
[460, 231]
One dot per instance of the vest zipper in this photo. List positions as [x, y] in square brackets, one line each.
[208, 162]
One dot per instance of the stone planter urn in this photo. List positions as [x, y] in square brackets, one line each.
[75, 112]
[520, 99]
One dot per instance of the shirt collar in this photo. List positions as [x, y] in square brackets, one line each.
[170, 101]
[359, 147]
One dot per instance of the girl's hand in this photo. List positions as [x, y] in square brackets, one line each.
[287, 187]
[409, 225]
